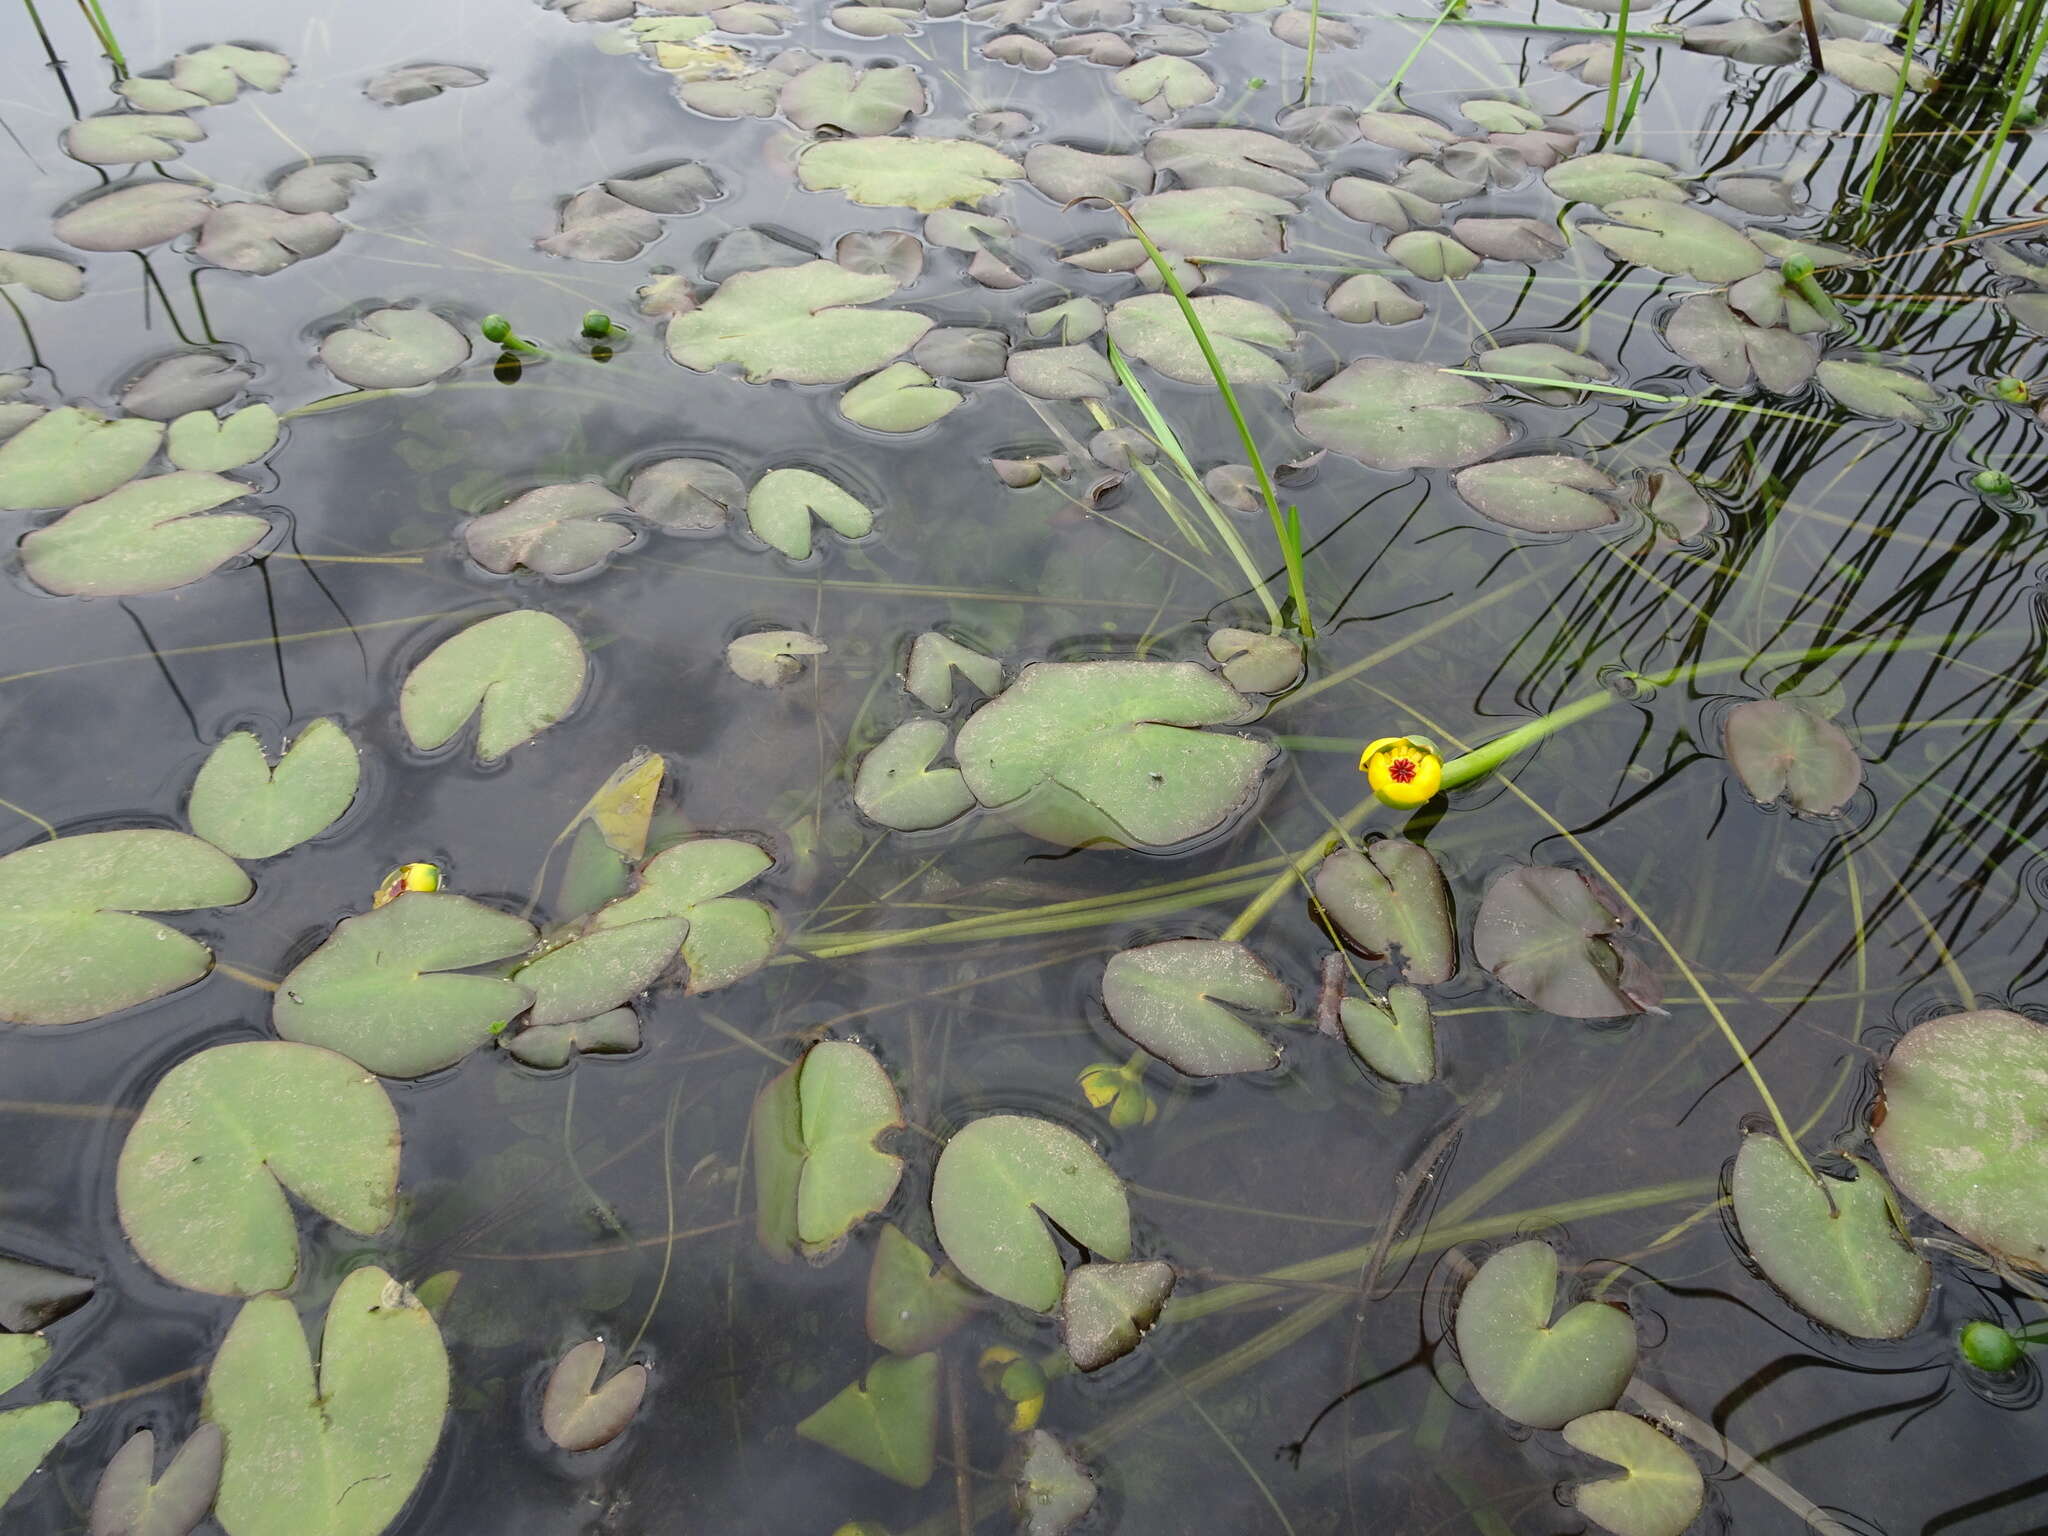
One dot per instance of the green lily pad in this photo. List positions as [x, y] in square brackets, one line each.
[1391, 898]
[149, 535]
[1964, 1098]
[338, 1453]
[523, 670]
[1396, 1038]
[595, 225]
[325, 186]
[1834, 1250]
[1540, 493]
[1164, 84]
[1545, 360]
[1871, 389]
[771, 658]
[817, 1170]
[71, 947]
[1366, 298]
[1108, 1308]
[999, 1180]
[898, 787]
[420, 82]
[381, 989]
[1231, 157]
[783, 502]
[1549, 935]
[832, 94]
[1433, 256]
[913, 1305]
[226, 1134]
[609, 835]
[1052, 1489]
[246, 808]
[1372, 201]
[1605, 179]
[901, 398]
[925, 174]
[69, 455]
[27, 1435]
[1660, 1491]
[1871, 67]
[553, 530]
[130, 138]
[1781, 748]
[804, 323]
[935, 658]
[200, 440]
[151, 93]
[1398, 415]
[888, 1423]
[134, 218]
[685, 495]
[21, 1356]
[394, 349]
[1708, 334]
[46, 276]
[1064, 173]
[259, 239]
[132, 1500]
[1062, 373]
[32, 1296]
[550, 1047]
[576, 1413]
[1256, 662]
[1536, 1371]
[1077, 752]
[1677, 238]
[595, 972]
[1500, 239]
[219, 72]
[1198, 224]
[1766, 299]
[1152, 329]
[730, 937]
[1169, 998]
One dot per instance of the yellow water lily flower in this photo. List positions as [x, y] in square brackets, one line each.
[1403, 771]
[1018, 1381]
[407, 877]
[1115, 1087]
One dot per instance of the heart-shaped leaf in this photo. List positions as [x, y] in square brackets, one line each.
[48, 276]
[1605, 179]
[998, 1182]
[1063, 173]
[1169, 998]
[912, 1305]
[1964, 1097]
[550, 1047]
[1779, 747]
[1111, 751]
[934, 658]
[1549, 935]
[1391, 897]
[146, 536]
[1708, 334]
[337, 1454]
[1541, 1373]
[247, 808]
[1052, 1490]
[554, 530]
[729, 937]
[70, 946]
[1540, 493]
[685, 495]
[32, 1296]
[1152, 329]
[579, 1415]
[132, 1500]
[1367, 299]
[898, 787]
[1164, 84]
[595, 972]
[1433, 256]
[1062, 373]
[1834, 1249]
[1372, 201]
[184, 381]
[201, 440]
[771, 658]
[420, 82]
[1676, 238]
[524, 670]
[130, 138]
[70, 455]
[1397, 1038]
[259, 239]
[1198, 224]
[394, 349]
[27, 1435]
[219, 72]
[226, 1134]
[325, 186]
[594, 225]
[1871, 389]
[817, 1170]
[1660, 1491]
[381, 992]
[831, 94]
[925, 174]
[783, 502]
[1108, 1308]
[901, 398]
[1396, 415]
[1256, 662]
[888, 1423]
[133, 218]
[1231, 157]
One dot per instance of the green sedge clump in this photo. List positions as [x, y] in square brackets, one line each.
[1989, 1347]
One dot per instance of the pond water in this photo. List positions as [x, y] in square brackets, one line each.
[1822, 497]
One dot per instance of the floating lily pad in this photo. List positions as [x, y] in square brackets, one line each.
[817, 1170]
[1871, 67]
[1198, 224]
[325, 186]
[1677, 238]
[1079, 752]
[1231, 157]
[1152, 329]
[226, 1134]
[1964, 1097]
[394, 349]
[1433, 256]
[219, 72]
[913, 1305]
[554, 530]
[1660, 1491]
[356, 1438]
[1169, 998]
[803, 323]
[898, 787]
[888, 1423]
[901, 398]
[1526, 240]
[1604, 179]
[1108, 1308]
[71, 947]
[130, 138]
[593, 973]
[1540, 493]
[924, 174]
[200, 440]
[1539, 1372]
[1834, 1248]
[46, 276]
[134, 218]
[1391, 899]
[730, 937]
[831, 94]
[154, 93]
[259, 239]
[935, 658]
[771, 658]
[420, 82]
[596, 226]
[183, 382]
[71, 455]
[1164, 84]
[1782, 748]
[576, 1413]
[524, 670]
[247, 808]
[1399, 415]
[1366, 298]
[998, 1182]
[146, 536]
[550, 1047]
[1707, 333]
[1053, 1491]
[681, 188]
[1545, 360]
[783, 502]
[1396, 1038]
[33, 1296]
[685, 495]
[1062, 373]
[27, 1435]
[132, 1500]
[384, 990]
[1871, 389]
[1254, 662]
[1372, 201]
[1549, 935]
[1063, 173]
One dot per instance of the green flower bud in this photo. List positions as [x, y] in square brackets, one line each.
[597, 323]
[1798, 269]
[496, 328]
[1989, 1347]
[2011, 390]
[1993, 482]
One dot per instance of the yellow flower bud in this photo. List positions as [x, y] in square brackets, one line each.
[1120, 1090]
[1018, 1381]
[407, 877]
[1404, 771]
